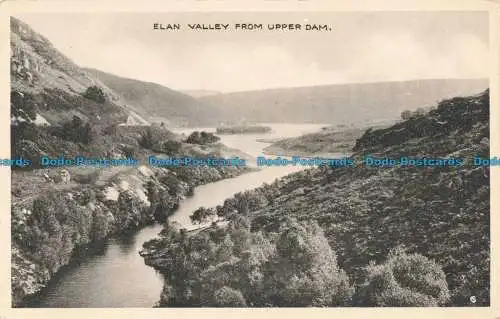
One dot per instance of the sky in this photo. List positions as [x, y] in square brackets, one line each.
[361, 47]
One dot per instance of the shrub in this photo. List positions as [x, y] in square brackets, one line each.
[202, 138]
[86, 178]
[23, 106]
[304, 271]
[228, 297]
[405, 115]
[147, 139]
[24, 131]
[95, 93]
[201, 215]
[75, 131]
[404, 280]
[129, 151]
[110, 129]
[170, 147]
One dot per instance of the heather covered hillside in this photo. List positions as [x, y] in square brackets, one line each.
[359, 236]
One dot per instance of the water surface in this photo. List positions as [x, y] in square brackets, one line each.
[117, 276]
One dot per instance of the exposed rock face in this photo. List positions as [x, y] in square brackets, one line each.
[36, 65]
[65, 176]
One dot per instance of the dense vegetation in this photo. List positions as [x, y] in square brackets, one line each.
[404, 236]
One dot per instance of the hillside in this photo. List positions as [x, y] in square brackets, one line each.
[338, 103]
[330, 141]
[350, 236]
[199, 93]
[39, 69]
[58, 212]
[156, 101]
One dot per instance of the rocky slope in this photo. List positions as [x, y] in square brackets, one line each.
[441, 215]
[57, 213]
[37, 68]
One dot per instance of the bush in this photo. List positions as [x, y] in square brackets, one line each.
[170, 147]
[86, 178]
[406, 115]
[75, 131]
[202, 215]
[227, 297]
[129, 151]
[24, 131]
[95, 93]
[202, 138]
[304, 271]
[23, 106]
[404, 281]
[147, 139]
[110, 129]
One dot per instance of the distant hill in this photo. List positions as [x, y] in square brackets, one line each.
[200, 93]
[339, 102]
[153, 100]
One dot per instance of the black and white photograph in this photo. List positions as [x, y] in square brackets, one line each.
[250, 159]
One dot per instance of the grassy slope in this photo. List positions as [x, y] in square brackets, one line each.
[329, 141]
[156, 101]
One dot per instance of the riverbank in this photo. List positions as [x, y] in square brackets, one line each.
[327, 142]
[49, 229]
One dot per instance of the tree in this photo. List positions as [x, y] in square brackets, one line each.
[86, 134]
[406, 115]
[76, 131]
[95, 93]
[147, 139]
[304, 271]
[201, 215]
[420, 111]
[228, 297]
[404, 280]
[202, 138]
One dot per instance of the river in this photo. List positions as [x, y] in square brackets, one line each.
[116, 276]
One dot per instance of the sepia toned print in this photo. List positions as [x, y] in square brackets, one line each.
[305, 159]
